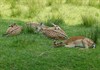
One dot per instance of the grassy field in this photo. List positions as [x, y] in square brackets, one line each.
[29, 51]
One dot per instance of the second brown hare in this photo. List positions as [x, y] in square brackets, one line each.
[76, 41]
[13, 30]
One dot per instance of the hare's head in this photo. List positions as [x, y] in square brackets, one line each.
[12, 25]
[56, 26]
[40, 27]
[58, 44]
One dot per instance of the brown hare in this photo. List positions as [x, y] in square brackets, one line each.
[35, 26]
[13, 30]
[77, 41]
[57, 28]
[54, 32]
[32, 24]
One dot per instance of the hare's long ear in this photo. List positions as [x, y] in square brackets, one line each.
[14, 23]
[11, 25]
[56, 26]
[39, 28]
[53, 24]
[41, 24]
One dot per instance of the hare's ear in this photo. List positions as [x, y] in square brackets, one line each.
[14, 24]
[11, 25]
[53, 24]
[41, 24]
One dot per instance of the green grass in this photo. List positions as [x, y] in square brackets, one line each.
[31, 8]
[31, 51]
[35, 51]
[89, 20]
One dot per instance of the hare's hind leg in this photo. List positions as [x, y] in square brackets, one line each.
[85, 44]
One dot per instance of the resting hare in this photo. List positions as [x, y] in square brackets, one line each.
[13, 29]
[54, 32]
[35, 26]
[77, 41]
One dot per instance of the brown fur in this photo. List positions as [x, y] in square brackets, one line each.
[32, 25]
[73, 39]
[59, 29]
[77, 41]
[54, 32]
[36, 26]
[13, 30]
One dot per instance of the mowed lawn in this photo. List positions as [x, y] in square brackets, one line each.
[29, 51]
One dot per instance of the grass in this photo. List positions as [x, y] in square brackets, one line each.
[56, 20]
[89, 20]
[31, 51]
[95, 34]
[31, 8]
